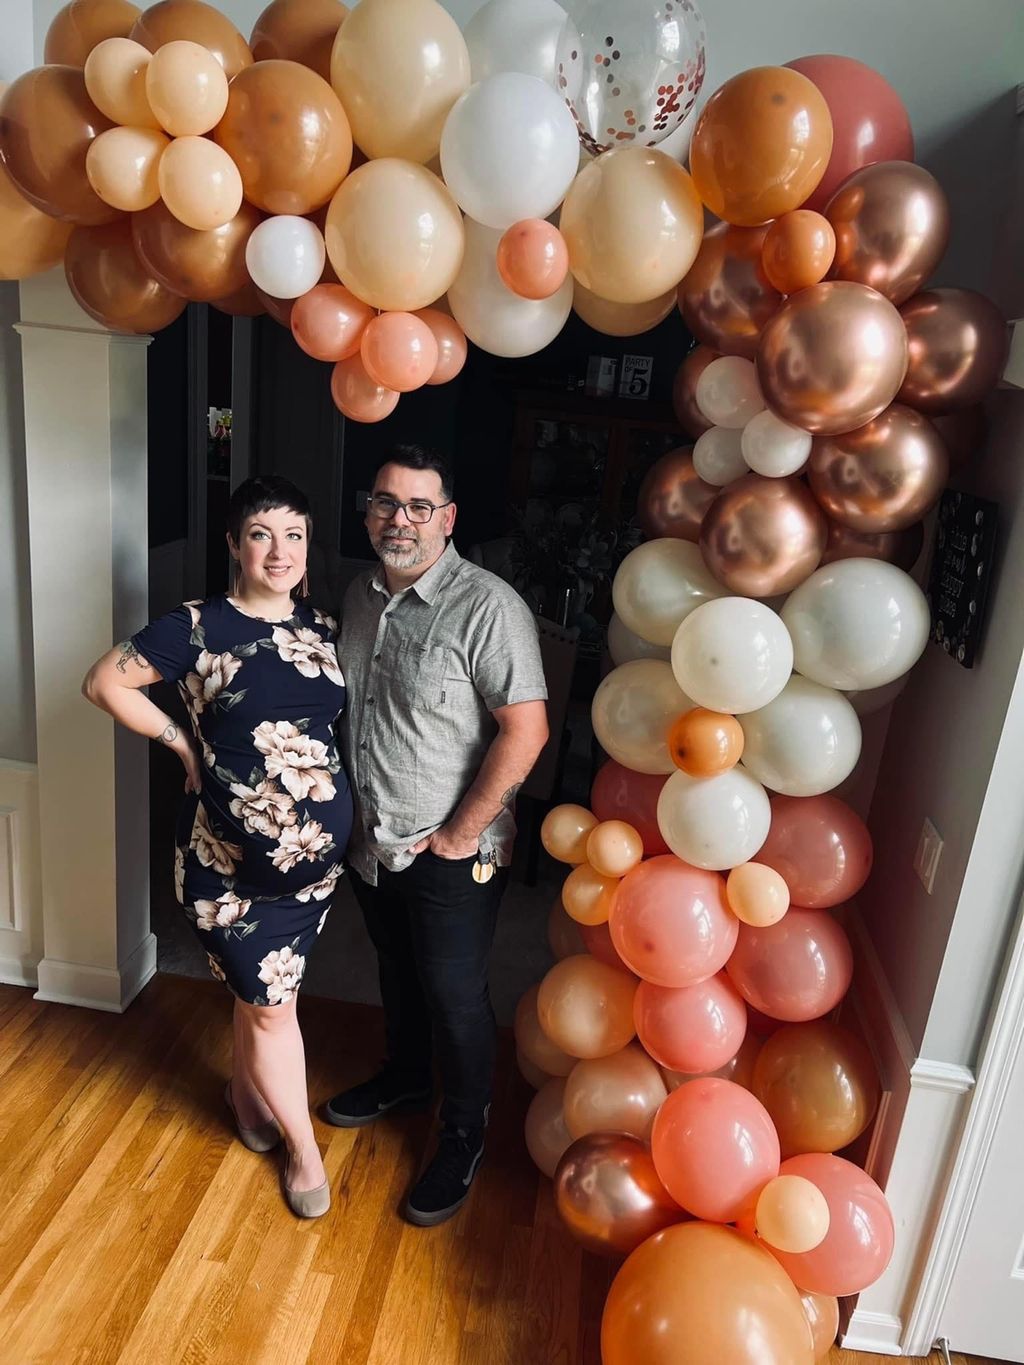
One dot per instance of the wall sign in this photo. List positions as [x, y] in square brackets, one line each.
[961, 570]
[635, 380]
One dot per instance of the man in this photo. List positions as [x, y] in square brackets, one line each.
[446, 718]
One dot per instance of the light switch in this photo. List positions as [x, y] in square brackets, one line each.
[926, 859]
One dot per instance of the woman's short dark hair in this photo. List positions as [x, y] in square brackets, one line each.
[265, 493]
[423, 457]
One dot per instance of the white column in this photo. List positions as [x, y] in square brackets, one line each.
[85, 438]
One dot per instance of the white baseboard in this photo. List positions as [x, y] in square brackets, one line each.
[98, 988]
[21, 901]
[15, 972]
[878, 1333]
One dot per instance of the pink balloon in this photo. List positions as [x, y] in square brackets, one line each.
[452, 347]
[820, 847]
[714, 1147]
[671, 922]
[598, 941]
[328, 321]
[694, 1029]
[398, 351]
[619, 793]
[358, 396]
[797, 969]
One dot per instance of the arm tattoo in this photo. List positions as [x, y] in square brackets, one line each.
[169, 735]
[509, 798]
[128, 651]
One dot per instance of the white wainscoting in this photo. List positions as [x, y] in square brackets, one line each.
[21, 907]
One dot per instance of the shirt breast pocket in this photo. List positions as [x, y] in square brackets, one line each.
[420, 674]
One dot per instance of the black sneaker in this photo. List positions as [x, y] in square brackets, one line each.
[444, 1186]
[385, 1093]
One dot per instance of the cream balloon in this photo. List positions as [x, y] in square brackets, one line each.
[514, 35]
[658, 584]
[285, 256]
[728, 393]
[565, 831]
[732, 655]
[547, 1137]
[123, 166]
[714, 822]
[499, 321]
[632, 710]
[186, 88]
[857, 623]
[200, 184]
[625, 645]
[614, 847]
[115, 77]
[718, 455]
[773, 447]
[803, 743]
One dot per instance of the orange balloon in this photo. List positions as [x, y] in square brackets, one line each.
[186, 88]
[798, 250]
[761, 145]
[705, 1295]
[299, 31]
[531, 1074]
[399, 351]
[616, 1094]
[533, 259]
[822, 1314]
[123, 167]
[614, 848]
[82, 25]
[329, 321]
[587, 896]
[357, 395]
[534, 1043]
[113, 286]
[30, 240]
[586, 1007]
[757, 894]
[199, 183]
[115, 77]
[452, 348]
[195, 22]
[704, 743]
[620, 319]
[201, 266]
[565, 831]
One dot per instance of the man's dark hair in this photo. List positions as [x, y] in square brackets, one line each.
[423, 457]
[265, 493]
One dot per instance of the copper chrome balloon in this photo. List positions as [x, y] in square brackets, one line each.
[761, 537]
[609, 1194]
[684, 390]
[673, 497]
[725, 297]
[958, 343]
[902, 548]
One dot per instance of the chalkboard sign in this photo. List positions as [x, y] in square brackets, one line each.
[961, 569]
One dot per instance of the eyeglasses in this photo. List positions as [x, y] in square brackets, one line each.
[418, 511]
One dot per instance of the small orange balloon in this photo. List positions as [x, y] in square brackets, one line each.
[452, 347]
[533, 259]
[399, 351]
[704, 743]
[757, 894]
[565, 831]
[328, 322]
[798, 250]
[359, 397]
[614, 848]
[587, 896]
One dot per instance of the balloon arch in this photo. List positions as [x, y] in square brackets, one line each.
[384, 185]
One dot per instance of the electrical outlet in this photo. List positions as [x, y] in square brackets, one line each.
[926, 859]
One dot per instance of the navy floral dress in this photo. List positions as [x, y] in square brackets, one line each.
[259, 849]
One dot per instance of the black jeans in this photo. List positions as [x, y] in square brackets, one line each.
[432, 925]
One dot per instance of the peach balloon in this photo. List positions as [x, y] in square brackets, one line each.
[619, 793]
[739, 1068]
[187, 89]
[565, 831]
[795, 970]
[684, 386]
[597, 941]
[614, 848]
[77, 29]
[704, 743]
[194, 22]
[586, 1007]
[358, 396]
[620, 319]
[533, 259]
[587, 896]
[328, 322]
[798, 250]
[609, 1195]
[671, 924]
[692, 1029]
[122, 166]
[452, 347]
[30, 240]
[822, 1314]
[199, 183]
[533, 1042]
[714, 1148]
[115, 77]
[820, 847]
[616, 1094]
[791, 1214]
[564, 936]
[399, 351]
[299, 31]
[531, 1074]
[757, 894]
[546, 1134]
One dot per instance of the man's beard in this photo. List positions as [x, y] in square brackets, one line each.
[401, 551]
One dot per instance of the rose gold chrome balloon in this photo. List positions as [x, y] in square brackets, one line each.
[673, 497]
[882, 477]
[726, 299]
[609, 1194]
[901, 548]
[958, 343]
[761, 537]
[964, 432]
[892, 227]
[832, 357]
[684, 390]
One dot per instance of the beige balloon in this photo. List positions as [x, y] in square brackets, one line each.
[586, 1007]
[587, 896]
[632, 711]
[123, 166]
[565, 831]
[546, 1134]
[616, 1094]
[398, 67]
[614, 848]
[633, 224]
[620, 319]
[115, 77]
[199, 183]
[533, 1043]
[394, 234]
[792, 1214]
[187, 88]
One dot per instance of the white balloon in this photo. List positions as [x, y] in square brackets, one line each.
[632, 710]
[624, 645]
[803, 743]
[658, 584]
[718, 455]
[714, 822]
[490, 314]
[285, 256]
[732, 655]
[728, 393]
[509, 150]
[857, 623]
[514, 35]
[773, 447]
[867, 701]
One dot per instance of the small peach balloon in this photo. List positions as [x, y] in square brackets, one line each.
[565, 831]
[199, 183]
[614, 848]
[115, 77]
[705, 743]
[792, 1214]
[359, 397]
[399, 351]
[123, 167]
[328, 322]
[533, 259]
[587, 896]
[757, 894]
[187, 88]
[798, 250]
[452, 347]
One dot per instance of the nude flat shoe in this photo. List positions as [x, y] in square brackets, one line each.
[262, 1139]
[307, 1203]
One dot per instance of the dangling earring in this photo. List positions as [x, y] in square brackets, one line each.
[304, 586]
[236, 579]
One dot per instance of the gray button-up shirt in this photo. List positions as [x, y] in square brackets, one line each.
[425, 669]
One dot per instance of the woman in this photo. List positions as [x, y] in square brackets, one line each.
[267, 812]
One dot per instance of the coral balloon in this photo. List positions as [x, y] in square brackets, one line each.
[110, 282]
[534, 1043]
[822, 1314]
[564, 936]
[199, 183]
[658, 584]
[756, 893]
[958, 344]
[287, 132]
[115, 77]
[795, 970]
[616, 1094]
[714, 1147]
[902, 548]
[704, 743]
[684, 386]
[298, 31]
[614, 848]
[451, 344]
[609, 1195]
[30, 240]
[202, 266]
[761, 145]
[714, 822]
[597, 941]
[632, 710]
[186, 88]
[194, 22]
[359, 397]
[586, 1007]
[329, 322]
[819, 1084]
[726, 298]
[670, 923]
[619, 793]
[565, 831]
[587, 896]
[798, 250]
[691, 1029]
[77, 29]
[399, 351]
[869, 120]
[762, 537]
[832, 357]
[122, 166]
[673, 498]
[620, 319]
[739, 1068]
[792, 1214]
[547, 1137]
[704, 1295]
[731, 655]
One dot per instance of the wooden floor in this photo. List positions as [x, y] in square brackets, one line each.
[137, 1230]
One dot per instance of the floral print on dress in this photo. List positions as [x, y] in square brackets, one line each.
[212, 849]
[179, 875]
[212, 674]
[300, 845]
[221, 913]
[301, 763]
[320, 890]
[281, 972]
[328, 622]
[323, 920]
[216, 969]
[263, 808]
[308, 652]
